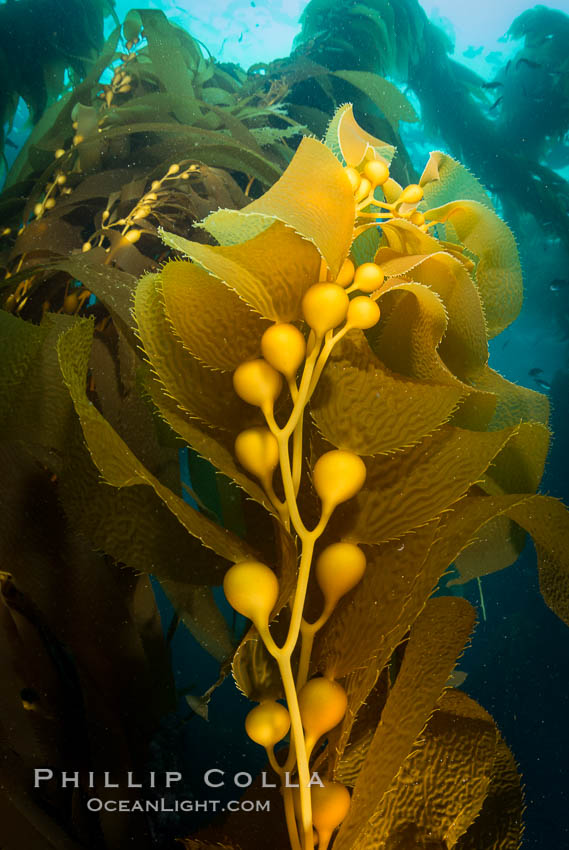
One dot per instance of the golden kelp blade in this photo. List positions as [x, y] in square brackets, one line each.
[313, 196]
[270, 272]
[499, 825]
[114, 459]
[387, 97]
[210, 444]
[519, 466]
[498, 270]
[363, 406]
[444, 179]
[204, 394]
[437, 639]
[464, 348]
[190, 397]
[442, 785]
[544, 517]
[410, 488]
[348, 140]
[497, 545]
[255, 672]
[213, 322]
[365, 631]
[415, 323]
[514, 403]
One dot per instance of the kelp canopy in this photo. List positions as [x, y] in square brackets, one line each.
[146, 266]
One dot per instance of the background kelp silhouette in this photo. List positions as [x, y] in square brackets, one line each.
[39, 43]
[78, 402]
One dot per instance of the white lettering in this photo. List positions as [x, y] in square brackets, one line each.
[108, 783]
[246, 783]
[172, 776]
[264, 783]
[41, 774]
[71, 779]
[209, 773]
[131, 782]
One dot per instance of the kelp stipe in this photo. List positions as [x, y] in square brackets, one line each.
[412, 446]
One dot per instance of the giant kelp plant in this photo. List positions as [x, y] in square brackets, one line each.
[328, 358]
[426, 449]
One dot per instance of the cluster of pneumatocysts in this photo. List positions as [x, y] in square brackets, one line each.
[131, 226]
[374, 173]
[320, 703]
[121, 83]
[314, 706]
[55, 188]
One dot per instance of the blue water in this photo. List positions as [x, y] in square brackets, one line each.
[249, 32]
